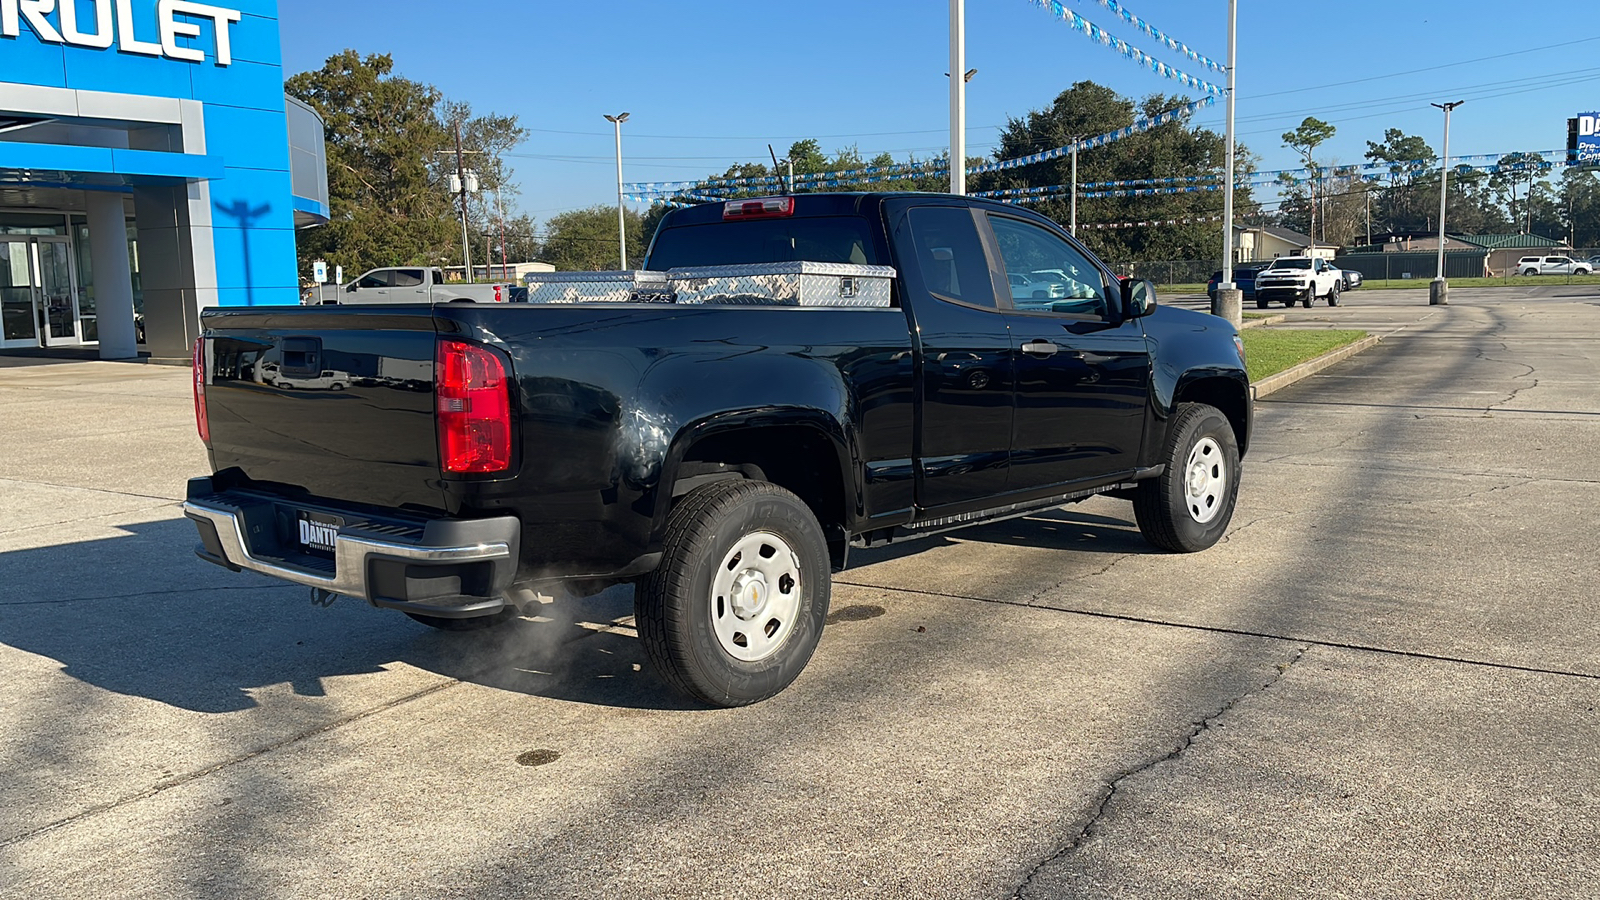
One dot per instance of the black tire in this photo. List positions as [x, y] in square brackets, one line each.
[1333, 296]
[476, 623]
[1261, 304]
[677, 612]
[1161, 505]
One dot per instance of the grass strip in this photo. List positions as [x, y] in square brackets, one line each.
[1269, 351]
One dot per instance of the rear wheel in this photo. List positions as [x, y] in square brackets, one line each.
[736, 608]
[1530, 271]
[1188, 507]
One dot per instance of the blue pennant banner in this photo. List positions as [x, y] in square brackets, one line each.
[1176, 46]
[1100, 36]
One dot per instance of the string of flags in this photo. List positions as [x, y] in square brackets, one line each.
[1175, 46]
[1153, 223]
[1100, 36]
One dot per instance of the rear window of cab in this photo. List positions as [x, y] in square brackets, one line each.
[828, 239]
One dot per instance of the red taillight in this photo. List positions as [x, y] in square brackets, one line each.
[474, 403]
[764, 208]
[200, 420]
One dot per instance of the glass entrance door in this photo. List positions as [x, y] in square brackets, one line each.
[19, 319]
[57, 300]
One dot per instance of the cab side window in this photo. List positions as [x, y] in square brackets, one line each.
[1046, 273]
[950, 254]
[374, 280]
[407, 277]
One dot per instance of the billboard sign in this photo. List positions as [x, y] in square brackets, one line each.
[1583, 139]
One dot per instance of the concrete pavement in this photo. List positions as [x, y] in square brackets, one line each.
[1382, 684]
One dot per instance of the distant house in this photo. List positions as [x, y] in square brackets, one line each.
[1264, 243]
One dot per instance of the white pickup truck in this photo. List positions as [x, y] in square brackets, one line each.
[1292, 278]
[407, 284]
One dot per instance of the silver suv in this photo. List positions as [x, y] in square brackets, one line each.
[1553, 265]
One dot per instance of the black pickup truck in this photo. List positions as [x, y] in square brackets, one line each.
[479, 459]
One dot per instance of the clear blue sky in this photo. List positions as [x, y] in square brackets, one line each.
[711, 82]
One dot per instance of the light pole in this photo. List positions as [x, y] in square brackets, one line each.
[622, 224]
[958, 97]
[1439, 290]
[1073, 228]
[1229, 300]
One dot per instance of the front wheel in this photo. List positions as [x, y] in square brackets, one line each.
[736, 608]
[1188, 507]
[1333, 296]
[1261, 304]
[1311, 296]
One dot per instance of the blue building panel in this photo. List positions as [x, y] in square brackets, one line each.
[125, 73]
[248, 138]
[252, 198]
[31, 62]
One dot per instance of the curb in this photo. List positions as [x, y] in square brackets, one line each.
[1258, 323]
[1310, 367]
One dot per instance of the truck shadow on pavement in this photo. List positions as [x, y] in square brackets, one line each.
[139, 615]
[1052, 529]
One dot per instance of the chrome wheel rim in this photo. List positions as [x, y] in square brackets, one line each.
[1205, 481]
[755, 596]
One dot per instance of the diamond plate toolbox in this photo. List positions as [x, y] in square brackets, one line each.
[598, 287]
[786, 284]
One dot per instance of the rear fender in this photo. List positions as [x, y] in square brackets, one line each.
[805, 450]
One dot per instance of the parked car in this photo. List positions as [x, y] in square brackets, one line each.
[406, 284]
[724, 450]
[1025, 288]
[1244, 278]
[1298, 278]
[1352, 279]
[1553, 265]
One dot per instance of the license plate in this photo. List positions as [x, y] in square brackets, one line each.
[317, 531]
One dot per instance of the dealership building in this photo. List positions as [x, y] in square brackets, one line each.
[150, 166]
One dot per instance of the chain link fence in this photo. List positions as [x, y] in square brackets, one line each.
[1403, 266]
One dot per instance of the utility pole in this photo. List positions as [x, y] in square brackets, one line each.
[1229, 299]
[958, 97]
[622, 223]
[461, 176]
[1439, 290]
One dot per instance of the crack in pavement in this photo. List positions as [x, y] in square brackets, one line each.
[1109, 791]
[1239, 632]
[140, 594]
[1483, 355]
[81, 519]
[289, 740]
[93, 490]
[1087, 575]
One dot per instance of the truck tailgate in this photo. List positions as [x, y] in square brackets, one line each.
[334, 403]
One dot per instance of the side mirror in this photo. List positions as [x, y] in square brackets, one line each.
[1138, 298]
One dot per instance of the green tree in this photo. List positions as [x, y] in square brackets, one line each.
[485, 140]
[1402, 204]
[1176, 149]
[1580, 201]
[1305, 140]
[586, 239]
[381, 133]
[1511, 172]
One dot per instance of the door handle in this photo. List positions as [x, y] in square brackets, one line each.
[1042, 349]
